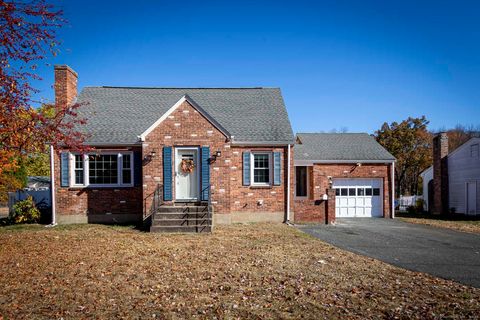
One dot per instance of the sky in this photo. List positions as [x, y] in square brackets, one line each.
[344, 65]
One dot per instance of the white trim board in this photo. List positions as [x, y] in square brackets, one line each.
[174, 107]
[312, 162]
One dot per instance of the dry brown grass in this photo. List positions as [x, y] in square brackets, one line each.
[241, 271]
[472, 226]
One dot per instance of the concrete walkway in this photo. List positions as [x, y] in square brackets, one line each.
[440, 252]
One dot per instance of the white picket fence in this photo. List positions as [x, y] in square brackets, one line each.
[405, 201]
[37, 195]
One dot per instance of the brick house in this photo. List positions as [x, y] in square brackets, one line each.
[182, 159]
[183, 147]
[341, 175]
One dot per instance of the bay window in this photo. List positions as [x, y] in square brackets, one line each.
[102, 170]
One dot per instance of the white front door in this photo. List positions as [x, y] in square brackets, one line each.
[471, 197]
[186, 182]
[358, 197]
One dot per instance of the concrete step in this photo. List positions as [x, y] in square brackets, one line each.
[180, 215]
[182, 209]
[181, 229]
[182, 222]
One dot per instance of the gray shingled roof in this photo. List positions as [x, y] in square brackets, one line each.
[121, 114]
[339, 147]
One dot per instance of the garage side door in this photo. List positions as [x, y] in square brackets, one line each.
[358, 197]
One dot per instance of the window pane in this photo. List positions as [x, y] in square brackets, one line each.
[127, 176]
[126, 161]
[351, 192]
[344, 191]
[103, 169]
[361, 191]
[337, 192]
[376, 191]
[261, 168]
[368, 191]
[301, 183]
[78, 169]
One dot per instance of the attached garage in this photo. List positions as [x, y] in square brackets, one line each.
[356, 198]
[341, 175]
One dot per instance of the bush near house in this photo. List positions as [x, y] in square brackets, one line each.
[25, 211]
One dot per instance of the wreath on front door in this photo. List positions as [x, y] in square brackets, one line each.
[187, 166]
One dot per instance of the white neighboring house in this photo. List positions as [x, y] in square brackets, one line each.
[427, 176]
[463, 166]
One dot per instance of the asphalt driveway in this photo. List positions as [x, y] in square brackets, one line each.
[443, 253]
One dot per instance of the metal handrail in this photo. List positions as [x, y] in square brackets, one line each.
[209, 201]
[157, 200]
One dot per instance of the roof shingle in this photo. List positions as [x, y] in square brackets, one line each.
[339, 147]
[121, 114]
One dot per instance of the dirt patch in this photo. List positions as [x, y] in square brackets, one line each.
[241, 271]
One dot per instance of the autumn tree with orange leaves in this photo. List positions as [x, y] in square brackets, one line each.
[28, 36]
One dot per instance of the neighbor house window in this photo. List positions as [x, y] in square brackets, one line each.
[102, 169]
[301, 181]
[261, 168]
[474, 152]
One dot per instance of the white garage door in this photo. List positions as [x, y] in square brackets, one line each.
[358, 197]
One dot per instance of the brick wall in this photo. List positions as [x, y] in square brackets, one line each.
[65, 85]
[89, 202]
[314, 209]
[440, 173]
[187, 127]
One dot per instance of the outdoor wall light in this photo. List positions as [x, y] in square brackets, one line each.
[150, 156]
[218, 154]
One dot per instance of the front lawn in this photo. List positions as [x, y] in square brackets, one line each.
[455, 222]
[240, 271]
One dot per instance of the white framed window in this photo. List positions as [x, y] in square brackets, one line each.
[261, 168]
[104, 169]
[78, 170]
[301, 182]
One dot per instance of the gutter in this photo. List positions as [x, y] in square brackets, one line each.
[312, 162]
[393, 190]
[288, 185]
[52, 187]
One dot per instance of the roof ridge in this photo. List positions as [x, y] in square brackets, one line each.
[333, 133]
[181, 88]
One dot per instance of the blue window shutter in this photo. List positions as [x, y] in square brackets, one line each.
[277, 166]
[246, 168]
[137, 170]
[64, 169]
[205, 173]
[167, 173]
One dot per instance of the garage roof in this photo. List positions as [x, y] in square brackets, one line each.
[339, 147]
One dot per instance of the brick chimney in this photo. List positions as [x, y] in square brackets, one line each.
[440, 173]
[65, 85]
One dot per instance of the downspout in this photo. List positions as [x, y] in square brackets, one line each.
[288, 185]
[52, 187]
[393, 190]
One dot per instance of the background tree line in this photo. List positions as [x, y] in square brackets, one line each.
[410, 141]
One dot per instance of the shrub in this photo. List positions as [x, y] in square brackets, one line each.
[25, 211]
[411, 209]
[419, 204]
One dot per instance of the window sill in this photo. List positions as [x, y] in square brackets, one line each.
[97, 187]
[261, 187]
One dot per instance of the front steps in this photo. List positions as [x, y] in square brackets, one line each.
[189, 217]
